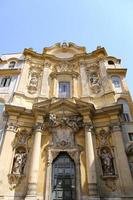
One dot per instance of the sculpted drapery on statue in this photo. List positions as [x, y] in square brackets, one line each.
[21, 148]
[107, 162]
[19, 162]
[105, 152]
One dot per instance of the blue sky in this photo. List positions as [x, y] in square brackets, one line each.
[41, 23]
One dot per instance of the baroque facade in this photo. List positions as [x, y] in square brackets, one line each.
[68, 126]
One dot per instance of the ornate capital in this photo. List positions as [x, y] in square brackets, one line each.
[12, 127]
[88, 126]
[21, 138]
[39, 127]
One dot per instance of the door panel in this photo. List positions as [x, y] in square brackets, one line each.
[63, 178]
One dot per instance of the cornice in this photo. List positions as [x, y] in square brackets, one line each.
[119, 71]
[10, 71]
[64, 46]
[109, 110]
[10, 59]
[83, 56]
[17, 110]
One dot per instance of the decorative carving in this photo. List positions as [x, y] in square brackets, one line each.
[12, 127]
[64, 67]
[88, 126]
[18, 167]
[39, 126]
[111, 184]
[63, 138]
[107, 162]
[52, 119]
[34, 75]
[14, 180]
[64, 45]
[74, 122]
[47, 64]
[94, 82]
[94, 78]
[103, 137]
[19, 162]
[21, 138]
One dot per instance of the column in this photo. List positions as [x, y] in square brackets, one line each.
[90, 162]
[122, 161]
[48, 177]
[54, 82]
[34, 163]
[75, 86]
[78, 180]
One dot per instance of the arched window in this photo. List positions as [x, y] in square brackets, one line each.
[126, 116]
[116, 83]
[110, 62]
[12, 64]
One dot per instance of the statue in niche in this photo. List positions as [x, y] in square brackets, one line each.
[107, 162]
[19, 162]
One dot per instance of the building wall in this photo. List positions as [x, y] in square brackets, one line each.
[92, 125]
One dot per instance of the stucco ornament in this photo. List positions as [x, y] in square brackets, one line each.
[20, 146]
[34, 77]
[103, 137]
[94, 78]
[18, 167]
[19, 163]
[63, 138]
[21, 138]
[107, 162]
[73, 122]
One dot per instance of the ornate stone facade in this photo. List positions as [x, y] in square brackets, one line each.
[69, 128]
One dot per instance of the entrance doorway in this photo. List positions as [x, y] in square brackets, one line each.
[63, 178]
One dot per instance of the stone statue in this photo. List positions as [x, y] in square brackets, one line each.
[52, 119]
[107, 162]
[19, 163]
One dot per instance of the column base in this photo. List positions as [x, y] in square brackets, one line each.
[93, 191]
[31, 197]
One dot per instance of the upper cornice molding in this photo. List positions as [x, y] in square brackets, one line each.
[65, 52]
[64, 47]
[117, 71]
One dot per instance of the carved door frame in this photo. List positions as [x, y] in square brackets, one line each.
[52, 153]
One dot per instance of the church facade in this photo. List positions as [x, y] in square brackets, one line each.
[68, 132]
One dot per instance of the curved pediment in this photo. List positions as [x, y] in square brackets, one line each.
[64, 50]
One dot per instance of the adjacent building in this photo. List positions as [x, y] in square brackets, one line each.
[69, 126]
